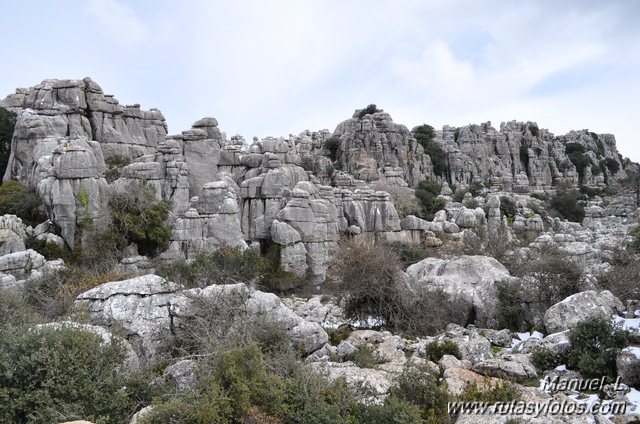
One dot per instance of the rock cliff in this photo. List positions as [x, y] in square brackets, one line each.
[293, 192]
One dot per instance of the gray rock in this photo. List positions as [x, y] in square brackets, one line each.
[569, 312]
[470, 280]
[150, 310]
[12, 234]
[21, 264]
[628, 366]
[183, 375]
[511, 367]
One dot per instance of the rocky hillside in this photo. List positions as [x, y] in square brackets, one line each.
[366, 275]
[77, 145]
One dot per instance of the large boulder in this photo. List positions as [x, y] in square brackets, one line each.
[568, 313]
[469, 280]
[153, 311]
[12, 234]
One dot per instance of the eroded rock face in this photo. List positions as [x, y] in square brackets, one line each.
[568, 313]
[12, 234]
[151, 310]
[212, 222]
[287, 190]
[471, 280]
[64, 131]
[374, 146]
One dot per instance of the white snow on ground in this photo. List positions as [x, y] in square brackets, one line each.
[627, 323]
[634, 350]
[634, 399]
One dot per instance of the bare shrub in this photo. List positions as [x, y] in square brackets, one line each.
[52, 295]
[623, 278]
[371, 284]
[221, 321]
[403, 198]
[547, 276]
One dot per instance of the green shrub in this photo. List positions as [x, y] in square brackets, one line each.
[393, 410]
[7, 125]
[141, 219]
[503, 392]
[15, 312]
[578, 157]
[568, 206]
[114, 165]
[512, 310]
[424, 135]
[49, 250]
[417, 386]
[544, 359]
[364, 357]
[372, 108]
[508, 207]
[332, 144]
[243, 383]
[53, 375]
[611, 164]
[458, 195]
[427, 193]
[435, 351]
[476, 189]
[22, 201]
[595, 343]
[229, 265]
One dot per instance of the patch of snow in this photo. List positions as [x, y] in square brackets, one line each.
[561, 368]
[633, 350]
[634, 399]
[524, 336]
[627, 323]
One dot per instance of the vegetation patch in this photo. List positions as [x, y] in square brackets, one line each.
[7, 125]
[369, 110]
[427, 193]
[18, 199]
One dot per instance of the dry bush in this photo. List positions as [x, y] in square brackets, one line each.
[623, 278]
[497, 244]
[547, 276]
[53, 295]
[403, 199]
[371, 284]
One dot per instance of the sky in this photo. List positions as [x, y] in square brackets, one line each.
[271, 68]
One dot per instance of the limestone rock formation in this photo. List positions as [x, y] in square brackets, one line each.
[468, 280]
[12, 234]
[296, 192]
[571, 311]
[151, 310]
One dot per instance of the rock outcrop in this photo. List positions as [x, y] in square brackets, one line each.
[571, 311]
[468, 280]
[299, 193]
[152, 311]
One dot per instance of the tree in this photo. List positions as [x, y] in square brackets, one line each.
[139, 218]
[567, 204]
[427, 193]
[424, 135]
[595, 344]
[22, 201]
[7, 125]
[372, 108]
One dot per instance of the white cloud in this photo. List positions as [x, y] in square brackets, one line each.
[118, 20]
[270, 68]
